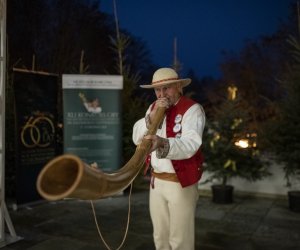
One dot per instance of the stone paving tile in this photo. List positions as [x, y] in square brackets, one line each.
[206, 209]
[287, 233]
[56, 243]
[225, 241]
[247, 224]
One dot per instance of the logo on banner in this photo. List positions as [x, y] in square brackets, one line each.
[92, 106]
[38, 131]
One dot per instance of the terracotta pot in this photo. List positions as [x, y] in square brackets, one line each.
[222, 194]
[294, 200]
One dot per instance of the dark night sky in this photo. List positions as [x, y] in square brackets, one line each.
[203, 27]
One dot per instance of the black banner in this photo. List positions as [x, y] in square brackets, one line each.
[36, 120]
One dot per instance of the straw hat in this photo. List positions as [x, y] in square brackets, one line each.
[165, 76]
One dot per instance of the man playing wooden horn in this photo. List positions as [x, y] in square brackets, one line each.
[176, 161]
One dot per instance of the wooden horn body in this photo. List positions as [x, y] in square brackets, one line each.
[67, 176]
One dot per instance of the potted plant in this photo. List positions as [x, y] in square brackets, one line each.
[230, 147]
[282, 131]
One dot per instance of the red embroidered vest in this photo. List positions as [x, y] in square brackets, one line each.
[189, 171]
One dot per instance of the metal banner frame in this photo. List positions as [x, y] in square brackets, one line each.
[5, 220]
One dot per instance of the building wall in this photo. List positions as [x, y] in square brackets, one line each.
[275, 185]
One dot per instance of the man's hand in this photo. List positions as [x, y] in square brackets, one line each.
[160, 102]
[156, 142]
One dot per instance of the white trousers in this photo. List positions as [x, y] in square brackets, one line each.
[172, 210]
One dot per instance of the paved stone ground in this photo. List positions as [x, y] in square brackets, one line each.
[247, 224]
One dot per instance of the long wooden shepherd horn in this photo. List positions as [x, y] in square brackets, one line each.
[67, 176]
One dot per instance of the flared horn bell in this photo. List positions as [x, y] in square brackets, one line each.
[67, 176]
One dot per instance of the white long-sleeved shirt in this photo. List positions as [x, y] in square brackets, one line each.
[193, 122]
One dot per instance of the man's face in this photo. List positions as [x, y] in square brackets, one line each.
[172, 92]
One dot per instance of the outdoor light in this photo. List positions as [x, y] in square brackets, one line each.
[248, 142]
[243, 143]
[232, 92]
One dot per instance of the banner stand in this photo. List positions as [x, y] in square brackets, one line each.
[92, 119]
[5, 220]
[12, 236]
